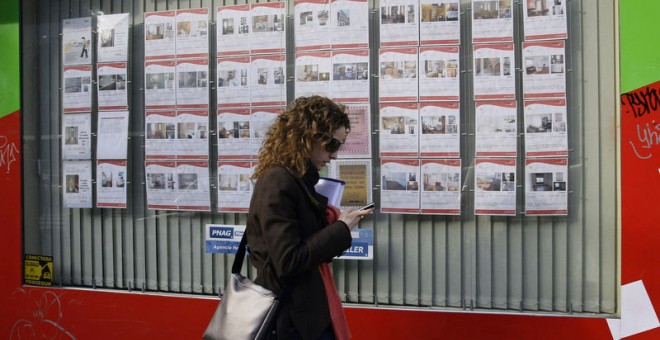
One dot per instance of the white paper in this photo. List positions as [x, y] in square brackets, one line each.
[546, 186]
[546, 128]
[440, 129]
[160, 134]
[235, 186]
[496, 128]
[311, 24]
[637, 312]
[350, 76]
[192, 33]
[233, 30]
[111, 183]
[358, 142]
[161, 186]
[234, 138]
[440, 22]
[357, 176]
[313, 70]
[112, 86]
[159, 35]
[399, 23]
[398, 74]
[268, 80]
[495, 186]
[192, 185]
[192, 132]
[331, 188]
[268, 27]
[233, 82]
[192, 91]
[400, 186]
[77, 182]
[112, 42]
[77, 94]
[160, 84]
[399, 126]
[112, 135]
[441, 186]
[544, 75]
[261, 120]
[494, 71]
[545, 19]
[439, 73]
[77, 48]
[349, 24]
[492, 21]
[76, 133]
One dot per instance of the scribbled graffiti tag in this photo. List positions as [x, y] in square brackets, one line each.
[8, 152]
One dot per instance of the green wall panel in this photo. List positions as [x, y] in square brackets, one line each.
[9, 60]
[640, 46]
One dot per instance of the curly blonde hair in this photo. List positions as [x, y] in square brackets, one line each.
[290, 139]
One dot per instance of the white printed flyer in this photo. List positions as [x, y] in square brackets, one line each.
[112, 42]
[232, 84]
[192, 134]
[545, 72]
[350, 76]
[400, 191]
[77, 94]
[268, 80]
[496, 128]
[492, 21]
[235, 186]
[439, 74]
[192, 33]
[545, 19]
[440, 129]
[399, 23]
[112, 86]
[77, 48]
[234, 138]
[349, 24]
[268, 27]
[192, 91]
[77, 183]
[111, 183]
[546, 186]
[398, 75]
[159, 84]
[313, 70]
[495, 186]
[399, 129]
[159, 35]
[233, 30]
[546, 128]
[441, 186]
[76, 136]
[160, 134]
[311, 22]
[112, 135]
[192, 186]
[494, 71]
[261, 119]
[440, 22]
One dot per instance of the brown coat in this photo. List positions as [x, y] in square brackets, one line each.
[285, 226]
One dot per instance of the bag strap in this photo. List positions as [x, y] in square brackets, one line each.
[240, 255]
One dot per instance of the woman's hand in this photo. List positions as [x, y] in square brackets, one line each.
[352, 216]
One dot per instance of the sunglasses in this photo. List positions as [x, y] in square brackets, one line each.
[333, 145]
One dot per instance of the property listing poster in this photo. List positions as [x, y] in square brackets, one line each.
[349, 24]
[546, 128]
[234, 185]
[494, 76]
[77, 182]
[398, 74]
[112, 43]
[400, 186]
[234, 133]
[160, 134]
[546, 185]
[440, 129]
[492, 21]
[495, 186]
[356, 173]
[192, 91]
[192, 33]
[311, 24]
[268, 80]
[112, 92]
[440, 22]
[358, 142]
[544, 19]
[159, 35]
[77, 46]
[77, 94]
[496, 130]
[268, 27]
[544, 75]
[233, 30]
[313, 71]
[76, 136]
[399, 127]
[399, 23]
[181, 185]
[350, 76]
[261, 119]
[112, 135]
[159, 84]
[192, 134]
[439, 74]
[441, 186]
[233, 88]
[111, 183]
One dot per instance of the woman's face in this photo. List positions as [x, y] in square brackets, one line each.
[321, 156]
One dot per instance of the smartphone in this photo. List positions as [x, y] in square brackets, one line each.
[367, 207]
